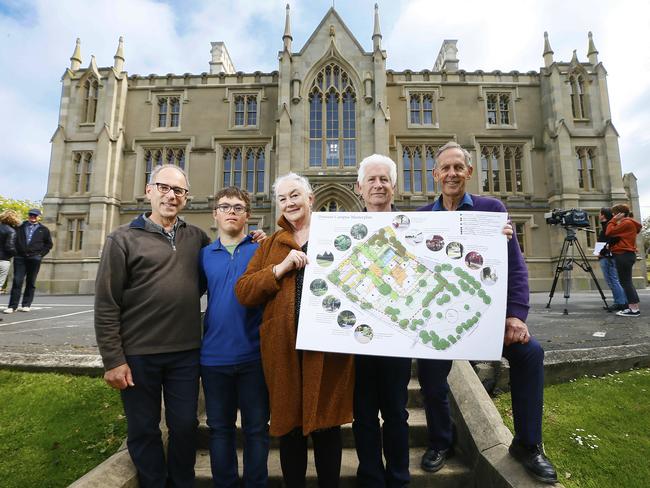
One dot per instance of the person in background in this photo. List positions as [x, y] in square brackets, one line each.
[231, 366]
[607, 263]
[33, 242]
[148, 329]
[310, 392]
[626, 229]
[9, 220]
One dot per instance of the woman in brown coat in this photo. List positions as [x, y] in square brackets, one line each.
[310, 392]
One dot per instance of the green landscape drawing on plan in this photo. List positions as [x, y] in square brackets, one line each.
[435, 306]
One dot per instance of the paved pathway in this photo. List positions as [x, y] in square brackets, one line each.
[65, 324]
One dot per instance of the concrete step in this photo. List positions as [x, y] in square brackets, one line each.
[417, 431]
[455, 474]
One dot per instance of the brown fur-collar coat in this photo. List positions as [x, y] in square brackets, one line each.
[316, 394]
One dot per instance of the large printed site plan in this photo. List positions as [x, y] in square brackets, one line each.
[405, 284]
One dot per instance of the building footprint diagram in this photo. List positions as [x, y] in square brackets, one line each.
[408, 284]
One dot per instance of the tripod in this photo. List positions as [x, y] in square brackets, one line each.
[565, 266]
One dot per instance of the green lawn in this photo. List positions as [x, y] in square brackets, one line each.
[597, 430]
[54, 428]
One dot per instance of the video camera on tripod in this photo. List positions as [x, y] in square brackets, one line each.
[567, 218]
[571, 220]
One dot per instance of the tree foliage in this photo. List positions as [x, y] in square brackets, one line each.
[645, 233]
[20, 206]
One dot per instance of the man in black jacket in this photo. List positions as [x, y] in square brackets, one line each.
[33, 241]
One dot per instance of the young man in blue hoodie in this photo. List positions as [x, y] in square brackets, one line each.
[231, 367]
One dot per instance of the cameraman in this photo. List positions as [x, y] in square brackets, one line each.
[607, 264]
[625, 228]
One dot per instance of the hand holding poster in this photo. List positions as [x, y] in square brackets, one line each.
[410, 284]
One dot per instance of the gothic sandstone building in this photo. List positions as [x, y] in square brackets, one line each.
[539, 140]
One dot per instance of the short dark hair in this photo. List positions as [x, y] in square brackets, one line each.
[607, 212]
[621, 208]
[233, 192]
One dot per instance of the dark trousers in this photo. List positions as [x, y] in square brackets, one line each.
[381, 385]
[328, 448]
[526, 389]
[176, 374]
[624, 263]
[25, 270]
[228, 388]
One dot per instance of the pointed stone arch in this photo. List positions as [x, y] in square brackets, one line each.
[341, 194]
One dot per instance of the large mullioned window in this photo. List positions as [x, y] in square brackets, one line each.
[91, 94]
[163, 155]
[585, 163]
[577, 92]
[502, 169]
[417, 168]
[332, 119]
[244, 167]
[169, 111]
[83, 168]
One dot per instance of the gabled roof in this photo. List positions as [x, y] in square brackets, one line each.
[332, 13]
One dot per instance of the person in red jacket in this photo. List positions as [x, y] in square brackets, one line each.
[625, 228]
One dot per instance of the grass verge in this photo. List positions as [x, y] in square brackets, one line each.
[597, 429]
[54, 428]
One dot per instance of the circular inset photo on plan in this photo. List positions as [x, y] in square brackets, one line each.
[474, 260]
[318, 287]
[325, 259]
[451, 315]
[414, 237]
[342, 242]
[346, 319]
[363, 334]
[489, 276]
[359, 231]
[401, 222]
[331, 303]
[436, 243]
[455, 250]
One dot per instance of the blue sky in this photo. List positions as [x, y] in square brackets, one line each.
[38, 38]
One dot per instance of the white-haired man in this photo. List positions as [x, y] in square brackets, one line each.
[381, 383]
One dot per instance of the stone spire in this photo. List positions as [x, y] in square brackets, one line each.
[75, 60]
[592, 52]
[286, 38]
[376, 32]
[118, 62]
[574, 59]
[548, 52]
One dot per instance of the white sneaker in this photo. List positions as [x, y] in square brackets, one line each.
[8, 310]
[23, 309]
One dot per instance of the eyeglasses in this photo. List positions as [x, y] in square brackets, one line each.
[226, 208]
[178, 191]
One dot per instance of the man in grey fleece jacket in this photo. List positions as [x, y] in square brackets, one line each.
[147, 322]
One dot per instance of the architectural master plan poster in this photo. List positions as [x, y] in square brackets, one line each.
[410, 284]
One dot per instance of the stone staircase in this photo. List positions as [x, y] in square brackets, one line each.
[455, 474]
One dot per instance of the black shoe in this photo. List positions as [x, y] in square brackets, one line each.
[434, 459]
[535, 462]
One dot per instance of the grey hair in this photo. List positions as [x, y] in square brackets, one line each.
[304, 182]
[158, 169]
[454, 145]
[378, 159]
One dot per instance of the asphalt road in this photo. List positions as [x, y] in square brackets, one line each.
[65, 324]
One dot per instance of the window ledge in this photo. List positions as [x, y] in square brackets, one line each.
[166, 129]
[244, 127]
[506, 127]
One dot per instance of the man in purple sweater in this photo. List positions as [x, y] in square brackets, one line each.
[453, 168]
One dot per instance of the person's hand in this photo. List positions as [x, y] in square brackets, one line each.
[258, 235]
[119, 377]
[619, 216]
[516, 331]
[294, 260]
[507, 230]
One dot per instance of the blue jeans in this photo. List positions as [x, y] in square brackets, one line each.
[381, 385]
[228, 388]
[177, 375]
[608, 267]
[526, 389]
[25, 271]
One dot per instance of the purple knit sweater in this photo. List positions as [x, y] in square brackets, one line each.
[518, 291]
